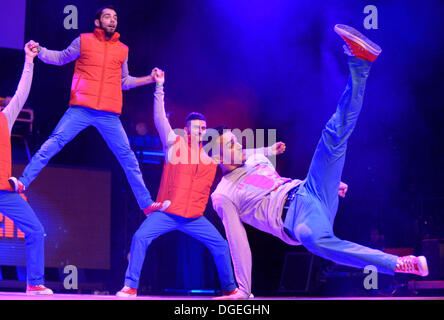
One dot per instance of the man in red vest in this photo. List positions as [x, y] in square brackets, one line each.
[186, 180]
[187, 184]
[100, 74]
[12, 204]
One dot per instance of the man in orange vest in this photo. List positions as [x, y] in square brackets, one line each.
[186, 180]
[187, 184]
[100, 74]
[12, 204]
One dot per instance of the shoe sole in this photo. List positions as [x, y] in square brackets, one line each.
[125, 295]
[355, 36]
[422, 265]
[13, 182]
[39, 293]
[165, 205]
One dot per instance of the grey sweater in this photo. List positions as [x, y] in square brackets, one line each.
[12, 110]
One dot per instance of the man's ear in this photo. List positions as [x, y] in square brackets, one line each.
[186, 130]
[97, 23]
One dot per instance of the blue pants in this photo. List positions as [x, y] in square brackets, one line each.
[158, 223]
[18, 210]
[108, 124]
[312, 212]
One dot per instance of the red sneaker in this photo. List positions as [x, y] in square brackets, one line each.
[17, 185]
[127, 292]
[413, 265]
[358, 44]
[38, 290]
[236, 294]
[157, 206]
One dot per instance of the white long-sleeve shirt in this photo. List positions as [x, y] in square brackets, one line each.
[166, 133]
[254, 194]
[12, 110]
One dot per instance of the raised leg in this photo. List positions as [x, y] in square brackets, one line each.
[73, 121]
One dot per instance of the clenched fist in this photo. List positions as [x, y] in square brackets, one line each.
[31, 50]
[277, 148]
[343, 188]
[158, 75]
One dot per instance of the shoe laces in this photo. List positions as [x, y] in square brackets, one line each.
[129, 290]
[347, 50]
[353, 47]
[39, 287]
[407, 264]
[156, 205]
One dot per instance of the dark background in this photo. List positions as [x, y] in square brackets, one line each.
[263, 64]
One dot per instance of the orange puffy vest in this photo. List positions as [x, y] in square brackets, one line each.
[187, 182]
[5, 154]
[97, 79]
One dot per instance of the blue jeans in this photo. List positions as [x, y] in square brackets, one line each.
[18, 210]
[158, 223]
[312, 212]
[108, 124]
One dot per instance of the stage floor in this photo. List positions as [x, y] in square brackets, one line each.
[23, 296]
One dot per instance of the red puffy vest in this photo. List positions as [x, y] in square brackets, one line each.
[97, 79]
[187, 179]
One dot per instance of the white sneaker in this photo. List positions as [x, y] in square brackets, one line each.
[38, 290]
[16, 184]
[234, 295]
[165, 205]
[412, 265]
[127, 292]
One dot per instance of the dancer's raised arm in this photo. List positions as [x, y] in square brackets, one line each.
[166, 133]
[17, 102]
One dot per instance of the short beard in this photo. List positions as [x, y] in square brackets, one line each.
[106, 32]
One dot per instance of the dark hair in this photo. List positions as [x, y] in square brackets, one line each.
[195, 116]
[100, 11]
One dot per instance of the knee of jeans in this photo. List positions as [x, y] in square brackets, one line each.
[54, 143]
[138, 236]
[37, 233]
[306, 235]
[142, 237]
[123, 148]
[337, 131]
[221, 247]
[126, 154]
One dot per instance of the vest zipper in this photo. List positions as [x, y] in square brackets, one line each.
[99, 98]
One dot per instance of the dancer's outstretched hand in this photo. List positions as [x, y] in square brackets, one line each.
[34, 46]
[343, 188]
[31, 50]
[278, 148]
[158, 75]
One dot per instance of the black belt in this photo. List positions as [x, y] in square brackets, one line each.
[290, 196]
